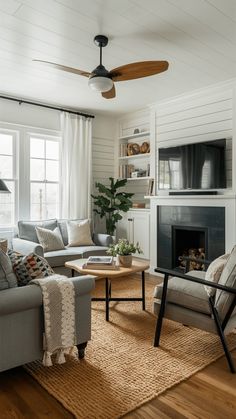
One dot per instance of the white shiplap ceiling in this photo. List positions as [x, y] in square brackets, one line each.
[197, 37]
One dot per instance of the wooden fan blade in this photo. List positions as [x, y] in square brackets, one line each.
[138, 70]
[65, 68]
[110, 94]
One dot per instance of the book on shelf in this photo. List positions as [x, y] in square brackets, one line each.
[123, 150]
[150, 187]
[125, 170]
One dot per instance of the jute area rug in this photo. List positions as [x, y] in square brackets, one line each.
[122, 370]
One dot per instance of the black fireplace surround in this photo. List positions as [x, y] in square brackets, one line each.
[197, 226]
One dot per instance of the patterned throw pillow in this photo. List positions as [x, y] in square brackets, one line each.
[50, 240]
[29, 267]
[214, 272]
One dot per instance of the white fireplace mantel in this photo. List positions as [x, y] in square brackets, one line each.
[226, 201]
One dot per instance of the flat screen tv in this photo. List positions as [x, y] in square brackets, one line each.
[193, 166]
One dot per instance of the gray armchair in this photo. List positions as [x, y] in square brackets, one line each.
[21, 322]
[183, 298]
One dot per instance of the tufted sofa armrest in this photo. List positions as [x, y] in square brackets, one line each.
[25, 247]
[102, 239]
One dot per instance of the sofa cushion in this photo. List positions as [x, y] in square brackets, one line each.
[186, 293]
[223, 299]
[50, 240]
[79, 233]
[26, 229]
[30, 267]
[63, 228]
[7, 277]
[59, 257]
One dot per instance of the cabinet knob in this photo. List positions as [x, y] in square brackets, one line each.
[130, 219]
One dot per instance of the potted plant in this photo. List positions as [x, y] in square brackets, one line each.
[123, 250]
[111, 202]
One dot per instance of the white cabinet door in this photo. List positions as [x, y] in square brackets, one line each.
[135, 226]
[122, 228]
[138, 231]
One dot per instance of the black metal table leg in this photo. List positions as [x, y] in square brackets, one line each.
[161, 312]
[143, 290]
[107, 298]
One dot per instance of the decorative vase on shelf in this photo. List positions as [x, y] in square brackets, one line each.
[124, 260]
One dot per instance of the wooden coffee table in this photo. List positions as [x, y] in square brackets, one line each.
[109, 276]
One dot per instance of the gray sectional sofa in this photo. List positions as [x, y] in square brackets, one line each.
[27, 242]
[22, 320]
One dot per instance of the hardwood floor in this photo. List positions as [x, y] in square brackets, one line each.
[211, 393]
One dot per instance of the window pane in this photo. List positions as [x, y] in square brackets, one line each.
[5, 144]
[6, 169]
[52, 211]
[52, 150]
[52, 201]
[37, 201]
[52, 170]
[7, 205]
[37, 147]
[37, 169]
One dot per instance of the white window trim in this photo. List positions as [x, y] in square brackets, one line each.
[21, 144]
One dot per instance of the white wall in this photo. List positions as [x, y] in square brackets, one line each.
[24, 114]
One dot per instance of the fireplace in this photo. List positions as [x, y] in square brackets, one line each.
[189, 230]
[189, 241]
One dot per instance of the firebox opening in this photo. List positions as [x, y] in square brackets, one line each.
[188, 241]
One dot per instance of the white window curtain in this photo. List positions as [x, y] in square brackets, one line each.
[76, 166]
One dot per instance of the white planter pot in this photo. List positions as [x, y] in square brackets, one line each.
[125, 261]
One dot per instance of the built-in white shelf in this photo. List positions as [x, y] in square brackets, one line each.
[138, 178]
[132, 136]
[135, 156]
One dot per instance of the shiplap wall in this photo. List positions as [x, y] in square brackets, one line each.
[126, 127]
[103, 137]
[202, 116]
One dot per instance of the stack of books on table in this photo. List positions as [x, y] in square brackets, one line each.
[100, 262]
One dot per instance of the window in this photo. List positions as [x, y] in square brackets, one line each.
[44, 178]
[29, 165]
[8, 174]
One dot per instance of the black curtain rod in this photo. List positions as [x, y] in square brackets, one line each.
[20, 101]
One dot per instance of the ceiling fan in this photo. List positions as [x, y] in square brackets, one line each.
[102, 80]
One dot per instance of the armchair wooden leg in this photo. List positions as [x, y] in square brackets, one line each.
[222, 336]
[161, 312]
[81, 349]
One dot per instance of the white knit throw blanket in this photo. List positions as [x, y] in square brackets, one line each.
[59, 317]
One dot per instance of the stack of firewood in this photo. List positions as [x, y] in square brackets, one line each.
[193, 264]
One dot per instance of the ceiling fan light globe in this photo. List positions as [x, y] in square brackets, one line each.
[100, 84]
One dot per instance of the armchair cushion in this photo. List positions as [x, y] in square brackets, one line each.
[186, 294]
[214, 272]
[223, 299]
[27, 228]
